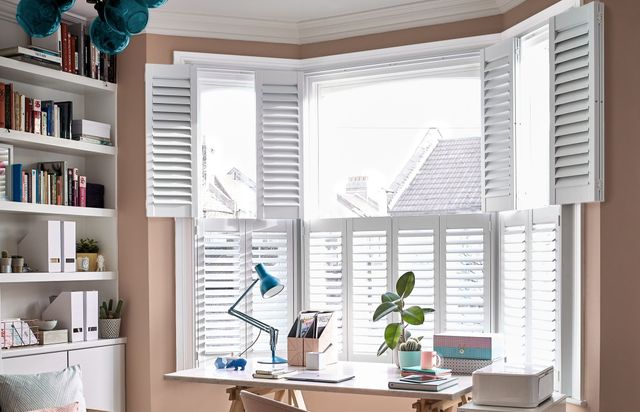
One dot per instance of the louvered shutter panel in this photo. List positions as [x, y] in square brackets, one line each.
[577, 105]
[219, 283]
[171, 141]
[545, 277]
[270, 246]
[416, 251]
[370, 266]
[279, 114]
[498, 127]
[513, 270]
[325, 280]
[465, 247]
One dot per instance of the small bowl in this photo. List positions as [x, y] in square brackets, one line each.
[46, 324]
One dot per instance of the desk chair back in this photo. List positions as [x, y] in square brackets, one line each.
[257, 403]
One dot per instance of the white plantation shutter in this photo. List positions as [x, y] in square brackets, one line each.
[219, 283]
[270, 245]
[577, 105]
[513, 269]
[370, 278]
[415, 240]
[171, 141]
[498, 126]
[326, 283]
[279, 114]
[530, 286]
[465, 243]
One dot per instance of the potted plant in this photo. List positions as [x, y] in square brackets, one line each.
[397, 333]
[5, 262]
[17, 263]
[87, 251]
[110, 318]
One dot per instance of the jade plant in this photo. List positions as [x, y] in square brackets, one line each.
[396, 334]
[87, 246]
[107, 311]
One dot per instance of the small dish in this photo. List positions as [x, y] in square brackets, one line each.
[46, 324]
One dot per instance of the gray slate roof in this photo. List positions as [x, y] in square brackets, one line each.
[447, 182]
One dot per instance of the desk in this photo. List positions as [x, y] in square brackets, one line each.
[370, 379]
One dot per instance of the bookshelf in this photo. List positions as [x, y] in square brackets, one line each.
[6, 278]
[54, 210]
[54, 145]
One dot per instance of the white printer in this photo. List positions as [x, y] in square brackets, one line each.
[523, 386]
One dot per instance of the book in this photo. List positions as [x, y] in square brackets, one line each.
[28, 114]
[37, 116]
[435, 385]
[272, 376]
[305, 322]
[8, 108]
[20, 51]
[82, 191]
[66, 117]
[16, 182]
[3, 102]
[75, 187]
[55, 192]
[37, 62]
[432, 372]
[23, 108]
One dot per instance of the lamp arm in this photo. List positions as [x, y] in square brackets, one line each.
[246, 318]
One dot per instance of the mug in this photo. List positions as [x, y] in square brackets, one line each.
[430, 359]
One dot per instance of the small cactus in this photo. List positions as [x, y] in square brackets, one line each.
[411, 345]
[107, 311]
[5, 254]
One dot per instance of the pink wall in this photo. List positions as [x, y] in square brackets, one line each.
[611, 240]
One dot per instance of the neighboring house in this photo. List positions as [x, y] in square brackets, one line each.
[442, 176]
[228, 193]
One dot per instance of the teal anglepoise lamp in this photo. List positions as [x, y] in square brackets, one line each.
[270, 286]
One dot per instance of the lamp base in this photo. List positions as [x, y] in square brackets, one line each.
[276, 360]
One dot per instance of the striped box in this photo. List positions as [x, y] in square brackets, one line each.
[466, 366]
[482, 346]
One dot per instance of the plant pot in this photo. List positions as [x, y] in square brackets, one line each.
[17, 265]
[5, 265]
[407, 359]
[109, 328]
[93, 262]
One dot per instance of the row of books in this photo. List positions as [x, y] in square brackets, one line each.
[26, 114]
[48, 183]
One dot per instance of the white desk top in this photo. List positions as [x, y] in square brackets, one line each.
[370, 379]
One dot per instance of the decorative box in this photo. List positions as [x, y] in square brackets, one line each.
[466, 366]
[484, 346]
[519, 386]
[297, 348]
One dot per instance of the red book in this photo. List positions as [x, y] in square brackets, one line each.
[9, 109]
[37, 113]
[28, 113]
[82, 186]
[59, 190]
[64, 31]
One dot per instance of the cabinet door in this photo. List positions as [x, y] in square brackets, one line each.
[102, 376]
[27, 365]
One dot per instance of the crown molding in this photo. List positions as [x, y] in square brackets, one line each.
[418, 14]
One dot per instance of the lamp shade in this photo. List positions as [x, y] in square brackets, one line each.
[269, 284]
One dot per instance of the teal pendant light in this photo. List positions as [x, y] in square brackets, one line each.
[38, 18]
[126, 16]
[153, 4]
[106, 39]
[65, 5]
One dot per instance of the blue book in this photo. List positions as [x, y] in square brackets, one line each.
[16, 182]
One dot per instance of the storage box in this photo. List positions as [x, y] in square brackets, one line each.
[89, 128]
[485, 346]
[466, 366]
[297, 348]
[52, 337]
[512, 385]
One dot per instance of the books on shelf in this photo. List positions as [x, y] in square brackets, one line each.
[48, 183]
[34, 56]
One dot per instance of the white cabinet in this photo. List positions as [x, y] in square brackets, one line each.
[102, 376]
[26, 365]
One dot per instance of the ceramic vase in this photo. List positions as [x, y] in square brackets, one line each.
[93, 262]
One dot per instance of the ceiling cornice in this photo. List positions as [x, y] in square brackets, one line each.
[316, 30]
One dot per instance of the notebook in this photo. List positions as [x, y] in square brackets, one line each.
[435, 385]
[324, 377]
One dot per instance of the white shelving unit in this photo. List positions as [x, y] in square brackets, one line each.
[25, 295]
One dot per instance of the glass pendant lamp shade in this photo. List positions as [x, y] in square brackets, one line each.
[38, 18]
[126, 16]
[106, 39]
[65, 5]
[152, 4]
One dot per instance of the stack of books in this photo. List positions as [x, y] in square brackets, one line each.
[92, 132]
[435, 373]
[31, 115]
[429, 385]
[275, 373]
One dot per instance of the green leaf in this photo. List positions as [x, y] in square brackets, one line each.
[383, 310]
[413, 315]
[428, 310]
[383, 348]
[390, 297]
[392, 334]
[405, 284]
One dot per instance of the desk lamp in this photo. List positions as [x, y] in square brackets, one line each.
[270, 286]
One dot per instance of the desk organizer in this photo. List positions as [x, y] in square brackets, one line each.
[297, 348]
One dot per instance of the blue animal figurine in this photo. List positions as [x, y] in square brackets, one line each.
[220, 363]
[237, 363]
